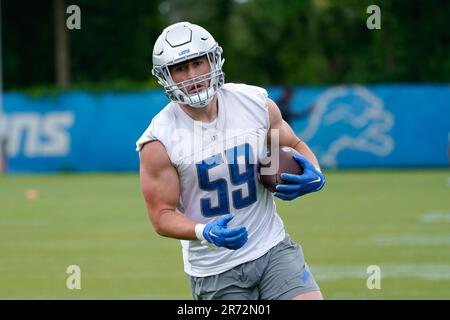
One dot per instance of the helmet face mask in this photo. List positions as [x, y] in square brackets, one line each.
[180, 43]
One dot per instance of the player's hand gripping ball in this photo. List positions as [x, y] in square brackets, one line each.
[296, 176]
[286, 164]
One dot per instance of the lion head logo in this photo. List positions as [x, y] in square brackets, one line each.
[348, 118]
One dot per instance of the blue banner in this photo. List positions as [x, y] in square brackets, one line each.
[346, 126]
[374, 126]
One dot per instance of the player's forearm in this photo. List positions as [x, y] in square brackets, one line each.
[303, 149]
[173, 224]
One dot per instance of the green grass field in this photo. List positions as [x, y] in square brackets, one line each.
[398, 220]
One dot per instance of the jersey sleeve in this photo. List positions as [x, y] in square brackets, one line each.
[148, 136]
[160, 129]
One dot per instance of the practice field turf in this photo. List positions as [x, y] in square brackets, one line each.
[397, 220]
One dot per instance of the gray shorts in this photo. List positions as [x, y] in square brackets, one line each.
[280, 274]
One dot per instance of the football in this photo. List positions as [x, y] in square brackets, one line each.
[270, 168]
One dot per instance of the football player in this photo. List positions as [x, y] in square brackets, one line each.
[198, 173]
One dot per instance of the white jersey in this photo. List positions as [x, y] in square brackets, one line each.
[217, 166]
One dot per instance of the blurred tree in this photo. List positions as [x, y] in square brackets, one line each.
[324, 42]
[27, 43]
[115, 41]
[266, 42]
[62, 58]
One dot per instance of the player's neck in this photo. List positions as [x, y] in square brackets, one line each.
[206, 114]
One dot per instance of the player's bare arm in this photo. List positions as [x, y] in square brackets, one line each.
[287, 136]
[160, 186]
[312, 179]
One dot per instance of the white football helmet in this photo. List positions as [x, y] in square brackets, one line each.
[181, 42]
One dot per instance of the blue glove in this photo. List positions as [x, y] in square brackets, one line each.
[217, 233]
[310, 181]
